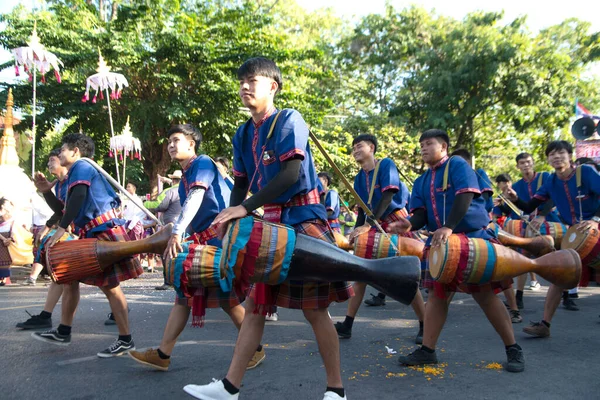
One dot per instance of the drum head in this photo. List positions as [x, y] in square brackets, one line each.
[575, 240]
[437, 260]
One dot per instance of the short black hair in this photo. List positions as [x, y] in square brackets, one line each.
[3, 201]
[588, 161]
[188, 130]
[261, 66]
[557, 145]
[464, 153]
[223, 160]
[522, 156]
[84, 143]
[435, 134]
[54, 153]
[326, 176]
[503, 178]
[365, 137]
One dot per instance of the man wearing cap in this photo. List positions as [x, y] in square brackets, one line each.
[169, 206]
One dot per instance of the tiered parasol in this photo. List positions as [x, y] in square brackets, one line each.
[33, 58]
[125, 145]
[111, 84]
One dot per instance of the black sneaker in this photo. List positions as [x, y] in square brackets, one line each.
[515, 362]
[570, 305]
[515, 316]
[418, 357]
[419, 338]
[35, 322]
[52, 336]
[118, 348]
[375, 301]
[110, 319]
[520, 304]
[342, 331]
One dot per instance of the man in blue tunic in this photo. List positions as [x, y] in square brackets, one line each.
[577, 202]
[331, 201]
[455, 209]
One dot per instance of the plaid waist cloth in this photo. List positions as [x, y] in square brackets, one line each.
[441, 290]
[301, 294]
[272, 212]
[202, 298]
[396, 216]
[128, 268]
[102, 219]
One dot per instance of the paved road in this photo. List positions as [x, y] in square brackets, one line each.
[566, 366]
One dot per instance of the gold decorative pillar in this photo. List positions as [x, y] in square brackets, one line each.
[8, 145]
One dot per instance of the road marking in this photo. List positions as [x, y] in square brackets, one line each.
[185, 343]
[17, 307]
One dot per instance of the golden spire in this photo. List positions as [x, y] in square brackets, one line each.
[127, 129]
[102, 65]
[8, 145]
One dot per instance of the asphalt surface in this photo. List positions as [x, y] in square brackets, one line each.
[565, 366]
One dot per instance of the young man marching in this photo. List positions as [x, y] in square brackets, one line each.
[280, 173]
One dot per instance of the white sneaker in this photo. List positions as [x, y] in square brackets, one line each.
[535, 285]
[212, 391]
[273, 317]
[333, 396]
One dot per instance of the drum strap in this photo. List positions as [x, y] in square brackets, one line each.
[579, 195]
[539, 183]
[264, 147]
[372, 189]
[445, 187]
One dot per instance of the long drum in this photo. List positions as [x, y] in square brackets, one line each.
[258, 251]
[478, 261]
[520, 228]
[586, 244]
[537, 245]
[373, 245]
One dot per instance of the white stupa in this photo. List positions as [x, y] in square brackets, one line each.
[14, 183]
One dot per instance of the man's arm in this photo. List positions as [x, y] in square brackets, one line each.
[287, 176]
[75, 203]
[189, 210]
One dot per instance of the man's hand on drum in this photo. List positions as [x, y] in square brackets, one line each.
[537, 222]
[41, 183]
[40, 235]
[585, 226]
[173, 248]
[227, 215]
[54, 238]
[440, 236]
[358, 231]
[401, 226]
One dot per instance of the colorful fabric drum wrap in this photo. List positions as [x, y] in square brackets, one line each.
[40, 256]
[463, 260]
[586, 244]
[197, 266]
[373, 245]
[257, 251]
[520, 228]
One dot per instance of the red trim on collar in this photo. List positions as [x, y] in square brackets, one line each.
[443, 160]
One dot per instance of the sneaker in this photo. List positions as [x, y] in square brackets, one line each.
[419, 338]
[515, 316]
[35, 322]
[151, 358]
[118, 348]
[418, 357]
[213, 391]
[273, 317]
[257, 359]
[110, 319]
[52, 336]
[535, 285]
[342, 331]
[570, 304]
[375, 301]
[333, 396]
[28, 282]
[515, 362]
[537, 329]
[163, 287]
[574, 295]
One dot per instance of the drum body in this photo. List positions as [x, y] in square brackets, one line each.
[69, 261]
[586, 244]
[257, 251]
[197, 266]
[374, 245]
[521, 229]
